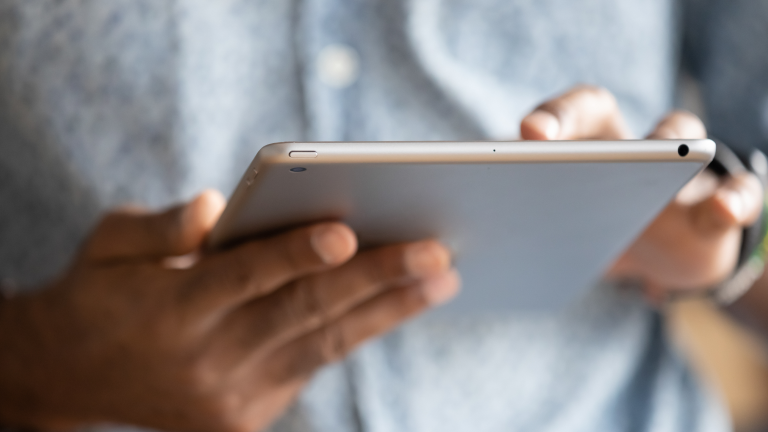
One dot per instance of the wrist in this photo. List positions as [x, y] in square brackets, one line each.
[752, 308]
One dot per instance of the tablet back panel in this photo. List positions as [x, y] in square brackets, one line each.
[528, 234]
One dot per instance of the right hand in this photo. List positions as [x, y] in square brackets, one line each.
[224, 345]
[693, 244]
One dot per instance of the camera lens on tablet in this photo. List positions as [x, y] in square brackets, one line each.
[682, 150]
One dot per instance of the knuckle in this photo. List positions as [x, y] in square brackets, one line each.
[225, 413]
[342, 343]
[695, 127]
[396, 262]
[328, 345]
[681, 124]
[290, 252]
[300, 303]
[560, 108]
[241, 276]
[235, 281]
[228, 412]
[408, 302]
[664, 131]
[201, 378]
[589, 93]
[223, 407]
[304, 362]
[585, 88]
[603, 97]
[292, 257]
[685, 115]
[592, 90]
[602, 93]
[315, 350]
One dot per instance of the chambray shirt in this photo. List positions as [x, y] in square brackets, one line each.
[104, 102]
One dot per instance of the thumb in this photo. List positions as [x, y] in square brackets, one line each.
[133, 233]
[735, 203]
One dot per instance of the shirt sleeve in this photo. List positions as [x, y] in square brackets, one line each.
[726, 50]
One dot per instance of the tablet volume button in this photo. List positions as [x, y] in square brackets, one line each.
[251, 177]
[303, 154]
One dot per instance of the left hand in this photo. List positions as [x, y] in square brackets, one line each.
[694, 242]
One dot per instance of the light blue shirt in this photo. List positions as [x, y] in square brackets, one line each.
[108, 101]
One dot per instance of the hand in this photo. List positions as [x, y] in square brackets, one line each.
[223, 345]
[694, 243]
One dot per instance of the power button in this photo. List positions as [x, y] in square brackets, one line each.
[303, 154]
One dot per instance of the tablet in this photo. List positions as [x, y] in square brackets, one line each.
[532, 224]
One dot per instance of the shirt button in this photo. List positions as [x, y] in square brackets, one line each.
[338, 66]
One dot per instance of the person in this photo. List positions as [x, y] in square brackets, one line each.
[111, 112]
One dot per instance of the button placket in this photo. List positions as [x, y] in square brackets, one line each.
[338, 66]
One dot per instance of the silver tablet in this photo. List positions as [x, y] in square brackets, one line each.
[532, 224]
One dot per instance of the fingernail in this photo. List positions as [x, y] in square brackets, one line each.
[331, 244]
[440, 289]
[546, 122]
[426, 258]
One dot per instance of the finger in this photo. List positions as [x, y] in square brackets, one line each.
[736, 203]
[375, 317]
[679, 125]
[313, 301]
[584, 112]
[257, 268]
[134, 233]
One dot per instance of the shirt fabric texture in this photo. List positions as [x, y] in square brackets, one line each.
[104, 102]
